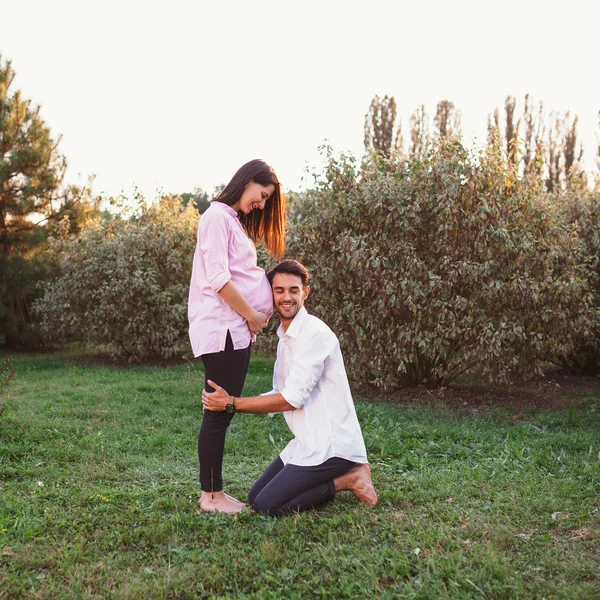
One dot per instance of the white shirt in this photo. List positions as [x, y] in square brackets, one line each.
[309, 373]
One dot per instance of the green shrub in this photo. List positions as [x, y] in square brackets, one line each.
[125, 283]
[7, 372]
[20, 273]
[431, 268]
[582, 209]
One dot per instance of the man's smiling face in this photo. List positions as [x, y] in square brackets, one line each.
[288, 295]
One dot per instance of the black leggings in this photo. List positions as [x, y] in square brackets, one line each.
[227, 369]
[283, 489]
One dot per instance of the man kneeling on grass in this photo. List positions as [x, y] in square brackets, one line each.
[310, 387]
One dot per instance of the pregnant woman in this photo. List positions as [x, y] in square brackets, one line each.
[230, 301]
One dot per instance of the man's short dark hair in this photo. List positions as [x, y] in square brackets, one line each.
[293, 267]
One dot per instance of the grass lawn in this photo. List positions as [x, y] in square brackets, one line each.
[98, 497]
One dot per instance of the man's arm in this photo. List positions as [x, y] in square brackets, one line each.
[219, 399]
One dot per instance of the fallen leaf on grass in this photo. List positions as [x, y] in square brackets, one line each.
[562, 516]
[580, 533]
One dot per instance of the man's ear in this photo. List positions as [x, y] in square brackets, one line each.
[306, 291]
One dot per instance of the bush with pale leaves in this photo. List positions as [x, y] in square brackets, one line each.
[428, 269]
[582, 209]
[125, 283]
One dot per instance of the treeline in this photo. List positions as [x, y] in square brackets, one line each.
[37, 210]
[536, 141]
[434, 267]
[429, 261]
[34, 204]
[427, 269]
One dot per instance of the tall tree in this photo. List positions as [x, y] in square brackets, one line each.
[419, 133]
[571, 152]
[381, 133]
[399, 142]
[510, 133]
[533, 142]
[493, 128]
[562, 151]
[199, 198]
[447, 119]
[512, 130]
[553, 154]
[598, 149]
[31, 198]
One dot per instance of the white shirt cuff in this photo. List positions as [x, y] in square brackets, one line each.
[292, 397]
[271, 414]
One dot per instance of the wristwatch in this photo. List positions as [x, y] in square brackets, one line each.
[230, 408]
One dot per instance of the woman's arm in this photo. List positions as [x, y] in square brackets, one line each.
[257, 321]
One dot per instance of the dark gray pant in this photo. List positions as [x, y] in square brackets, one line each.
[283, 489]
[227, 369]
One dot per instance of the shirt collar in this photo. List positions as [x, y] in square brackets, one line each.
[225, 207]
[295, 326]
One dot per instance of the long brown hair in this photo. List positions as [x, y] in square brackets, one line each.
[267, 225]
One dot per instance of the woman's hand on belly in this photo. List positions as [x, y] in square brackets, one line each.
[257, 322]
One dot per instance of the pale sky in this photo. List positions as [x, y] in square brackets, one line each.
[175, 95]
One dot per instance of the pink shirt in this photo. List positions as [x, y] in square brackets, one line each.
[224, 252]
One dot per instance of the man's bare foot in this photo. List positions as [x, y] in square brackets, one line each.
[220, 502]
[358, 481]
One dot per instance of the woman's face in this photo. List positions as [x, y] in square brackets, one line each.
[255, 196]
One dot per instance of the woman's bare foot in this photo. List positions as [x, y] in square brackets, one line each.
[243, 504]
[358, 481]
[220, 502]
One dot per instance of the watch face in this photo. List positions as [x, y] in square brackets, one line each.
[230, 408]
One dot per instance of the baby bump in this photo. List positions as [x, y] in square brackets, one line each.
[264, 297]
[255, 287]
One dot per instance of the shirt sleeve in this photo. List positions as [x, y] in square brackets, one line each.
[213, 241]
[275, 389]
[306, 368]
[275, 376]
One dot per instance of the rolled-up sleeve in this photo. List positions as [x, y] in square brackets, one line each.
[213, 244]
[306, 368]
[275, 376]
[275, 390]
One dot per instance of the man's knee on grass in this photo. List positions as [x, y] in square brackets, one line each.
[264, 507]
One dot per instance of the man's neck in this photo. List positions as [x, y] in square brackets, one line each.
[285, 323]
